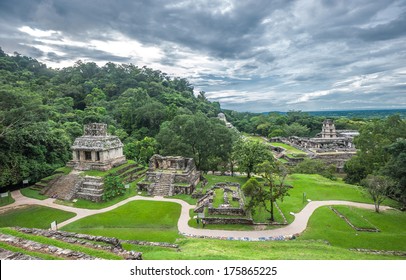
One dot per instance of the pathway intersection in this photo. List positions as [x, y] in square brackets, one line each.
[296, 227]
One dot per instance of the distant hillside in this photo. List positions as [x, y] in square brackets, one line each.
[353, 114]
[363, 114]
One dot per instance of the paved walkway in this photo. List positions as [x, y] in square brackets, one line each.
[296, 227]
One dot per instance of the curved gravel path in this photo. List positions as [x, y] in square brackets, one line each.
[296, 227]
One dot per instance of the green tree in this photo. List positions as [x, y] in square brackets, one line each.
[195, 136]
[274, 188]
[374, 137]
[378, 187]
[296, 129]
[248, 153]
[141, 150]
[395, 169]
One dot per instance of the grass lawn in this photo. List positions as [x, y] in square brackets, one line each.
[6, 200]
[211, 249]
[354, 216]
[137, 220]
[318, 187]
[28, 192]
[289, 149]
[34, 216]
[324, 224]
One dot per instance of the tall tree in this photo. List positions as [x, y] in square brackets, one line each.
[274, 188]
[248, 153]
[395, 168]
[378, 187]
[195, 136]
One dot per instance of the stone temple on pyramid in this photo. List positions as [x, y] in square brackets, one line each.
[96, 150]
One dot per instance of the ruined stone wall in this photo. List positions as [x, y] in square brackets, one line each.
[226, 211]
[228, 221]
[182, 189]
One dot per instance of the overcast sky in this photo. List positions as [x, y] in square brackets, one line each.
[258, 55]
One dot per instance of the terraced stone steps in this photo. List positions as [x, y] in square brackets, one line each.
[164, 185]
[65, 186]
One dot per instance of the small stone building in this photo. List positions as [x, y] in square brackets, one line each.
[96, 150]
[167, 176]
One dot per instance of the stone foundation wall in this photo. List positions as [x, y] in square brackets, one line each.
[182, 190]
[227, 221]
[226, 211]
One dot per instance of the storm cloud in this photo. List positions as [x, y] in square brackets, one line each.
[257, 55]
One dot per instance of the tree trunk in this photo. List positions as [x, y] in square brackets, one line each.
[272, 217]
[376, 206]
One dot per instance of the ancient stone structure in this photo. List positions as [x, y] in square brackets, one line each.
[330, 145]
[328, 130]
[167, 176]
[222, 118]
[96, 150]
[224, 213]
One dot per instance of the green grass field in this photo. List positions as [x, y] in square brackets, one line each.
[28, 192]
[324, 224]
[6, 200]
[137, 220]
[317, 187]
[212, 249]
[289, 149]
[354, 216]
[327, 237]
[34, 217]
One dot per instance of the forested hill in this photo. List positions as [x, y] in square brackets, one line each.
[42, 109]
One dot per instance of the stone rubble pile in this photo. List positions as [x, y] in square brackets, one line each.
[114, 244]
[44, 248]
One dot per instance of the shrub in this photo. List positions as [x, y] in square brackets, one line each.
[113, 186]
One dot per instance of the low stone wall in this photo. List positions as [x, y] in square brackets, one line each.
[44, 248]
[155, 244]
[350, 224]
[182, 189]
[380, 252]
[8, 255]
[226, 211]
[227, 221]
[112, 244]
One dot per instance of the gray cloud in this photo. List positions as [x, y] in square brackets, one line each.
[256, 55]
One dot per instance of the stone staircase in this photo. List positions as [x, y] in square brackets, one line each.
[163, 186]
[65, 187]
[91, 189]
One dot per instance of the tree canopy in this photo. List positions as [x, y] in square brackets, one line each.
[42, 110]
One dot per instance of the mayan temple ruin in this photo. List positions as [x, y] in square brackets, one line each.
[96, 150]
[167, 176]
